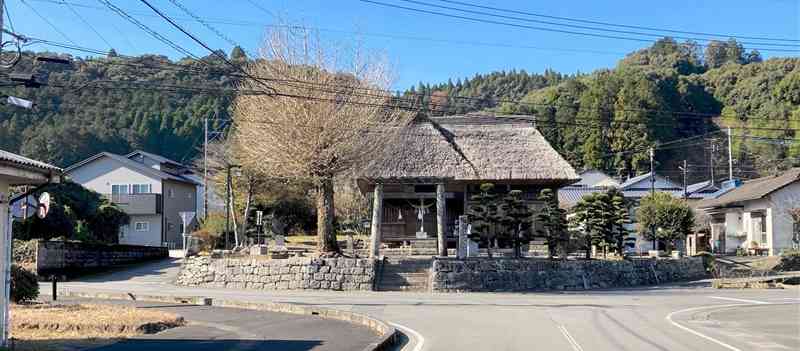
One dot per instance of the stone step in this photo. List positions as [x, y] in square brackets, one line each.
[407, 269]
[403, 288]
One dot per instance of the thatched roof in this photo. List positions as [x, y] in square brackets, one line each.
[471, 148]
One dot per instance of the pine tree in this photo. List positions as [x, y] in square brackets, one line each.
[554, 223]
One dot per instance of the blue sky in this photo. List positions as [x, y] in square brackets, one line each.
[452, 47]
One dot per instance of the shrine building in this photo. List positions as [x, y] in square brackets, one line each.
[423, 181]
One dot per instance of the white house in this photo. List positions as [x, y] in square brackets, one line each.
[15, 170]
[756, 215]
[152, 189]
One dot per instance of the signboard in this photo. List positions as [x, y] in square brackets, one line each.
[259, 218]
[187, 218]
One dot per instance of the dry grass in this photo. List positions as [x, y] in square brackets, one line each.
[64, 325]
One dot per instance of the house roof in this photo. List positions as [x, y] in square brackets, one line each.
[159, 158]
[753, 189]
[134, 165]
[701, 186]
[628, 184]
[569, 196]
[22, 161]
[471, 148]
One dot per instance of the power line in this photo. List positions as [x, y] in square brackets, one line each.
[8, 16]
[482, 13]
[204, 23]
[524, 26]
[261, 8]
[146, 29]
[96, 32]
[406, 37]
[47, 21]
[685, 115]
[204, 45]
[577, 20]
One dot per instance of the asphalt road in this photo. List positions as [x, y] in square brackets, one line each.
[670, 318]
[221, 329]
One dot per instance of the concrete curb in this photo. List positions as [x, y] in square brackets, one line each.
[388, 334]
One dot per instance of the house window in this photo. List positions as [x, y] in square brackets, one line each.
[141, 189]
[189, 195]
[118, 189]
[142, 226]
[123, 229]
[171, 193]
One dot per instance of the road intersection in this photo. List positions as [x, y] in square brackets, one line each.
[676, 317]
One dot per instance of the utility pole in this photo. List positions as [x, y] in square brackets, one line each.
[652, 192]
[227, 208]
[730, 156]
[713, 149]
[205, 166]
[685, 170]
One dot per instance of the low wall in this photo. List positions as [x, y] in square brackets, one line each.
[343, 274]
[479, 274]
[71, 258]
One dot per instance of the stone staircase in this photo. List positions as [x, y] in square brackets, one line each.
[405, 274]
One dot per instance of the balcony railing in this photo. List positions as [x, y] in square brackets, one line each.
[137, 204]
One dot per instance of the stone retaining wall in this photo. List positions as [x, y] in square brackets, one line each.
[344, 274]
[72, 258]
[478, 274]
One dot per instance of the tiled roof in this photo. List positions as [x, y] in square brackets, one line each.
[134, 165]
[159, 158]
[13, 158]
[753, 189]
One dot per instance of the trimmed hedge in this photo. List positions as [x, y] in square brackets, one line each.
[24, 285]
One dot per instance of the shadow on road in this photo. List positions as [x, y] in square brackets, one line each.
[176, 345]
[159, 271]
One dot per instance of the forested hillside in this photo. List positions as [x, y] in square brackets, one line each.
[670, 91]
[115, 104]
[606, 119]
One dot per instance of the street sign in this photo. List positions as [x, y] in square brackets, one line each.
[187, 218]
[44, 205]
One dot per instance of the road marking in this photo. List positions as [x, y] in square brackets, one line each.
[572, 341]
[420, 341]
[739, 300]
[669, 318]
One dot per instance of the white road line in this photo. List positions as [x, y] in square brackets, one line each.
[669, 318]
[739, 300]
[419, 341]
[572, 341]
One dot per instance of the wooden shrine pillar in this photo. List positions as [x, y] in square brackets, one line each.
[377, 218]
[441, 220]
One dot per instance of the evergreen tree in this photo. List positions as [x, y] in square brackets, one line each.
[554, 222]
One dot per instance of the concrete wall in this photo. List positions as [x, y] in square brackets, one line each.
[283, 274]
[733, 225]
[100, 174]
[152, 237]
[782, 225]
[73, 258]
[453, 275]
[178, 197]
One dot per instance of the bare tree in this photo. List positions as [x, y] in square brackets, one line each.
[221, 156]
[329, 109]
